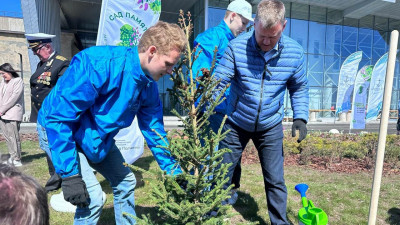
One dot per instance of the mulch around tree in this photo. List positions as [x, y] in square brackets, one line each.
[337, 165]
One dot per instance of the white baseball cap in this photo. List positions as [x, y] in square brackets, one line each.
[241, 7]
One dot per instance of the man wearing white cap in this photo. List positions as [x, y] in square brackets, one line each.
[49, 69]
[237, 16]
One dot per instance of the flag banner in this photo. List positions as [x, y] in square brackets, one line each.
[347, 75]
[361, 85]
[375, 96]
[122, 23]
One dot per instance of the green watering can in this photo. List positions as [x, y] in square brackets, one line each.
[309, 214]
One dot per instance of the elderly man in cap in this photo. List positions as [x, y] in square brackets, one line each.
[237, 17]
[49, 69]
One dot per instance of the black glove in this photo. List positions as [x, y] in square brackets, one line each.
[182, 183]
[299, 124]
[75, 191]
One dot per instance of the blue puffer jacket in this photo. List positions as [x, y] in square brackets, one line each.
[100, 93]
[219, 37]
[258, 86]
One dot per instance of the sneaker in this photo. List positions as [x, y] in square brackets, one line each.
[58, 203]
[16, 163]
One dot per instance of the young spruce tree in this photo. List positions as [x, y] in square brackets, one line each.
[196, 195]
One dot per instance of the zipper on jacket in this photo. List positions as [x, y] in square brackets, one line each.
[262, 83]
[261, 95]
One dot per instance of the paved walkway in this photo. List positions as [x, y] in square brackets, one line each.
[323, 124]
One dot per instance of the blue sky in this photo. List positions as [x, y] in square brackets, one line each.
[10, 6]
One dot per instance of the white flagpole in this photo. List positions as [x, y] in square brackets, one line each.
[383, 128]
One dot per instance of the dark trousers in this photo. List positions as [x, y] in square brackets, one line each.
[269, 145]
[215, 123]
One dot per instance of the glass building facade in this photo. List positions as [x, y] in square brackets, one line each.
[327, 37]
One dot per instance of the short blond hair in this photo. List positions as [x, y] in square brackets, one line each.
[165, 37]
[270, 12]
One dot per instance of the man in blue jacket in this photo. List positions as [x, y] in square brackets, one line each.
[101, 92]
[260, 66]
[237, 17]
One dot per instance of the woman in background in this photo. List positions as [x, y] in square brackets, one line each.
[11, 110]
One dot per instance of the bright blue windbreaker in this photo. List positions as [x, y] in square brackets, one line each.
[100, 93]
[218, 36]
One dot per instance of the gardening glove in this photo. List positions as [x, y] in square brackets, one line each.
[299, 124]
[75, 191]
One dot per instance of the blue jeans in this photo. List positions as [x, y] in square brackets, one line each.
[122, 182]
[215, 123]
[269, 145]
[43, 142]
[54, 182]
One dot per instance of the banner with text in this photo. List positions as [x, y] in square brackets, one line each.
[122, 23]
[375, 96]
[361, 86]
[347, 75]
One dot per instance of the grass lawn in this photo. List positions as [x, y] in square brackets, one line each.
[344, 197]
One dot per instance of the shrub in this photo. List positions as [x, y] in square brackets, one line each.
[323, 144]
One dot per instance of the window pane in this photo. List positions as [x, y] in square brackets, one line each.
[394, 24]
[299, 32]
[333, 39]
[215, 16]
[287, 9]
[380, 45]
[335, 16]
[316, 44]
[315, 70]
[364, 62]
[381, 23]
[318, 14]
[299, 11]
[367, 22]
[315, 98]
[218, 3]
[332, 68]
[350, 22]
[365, 42]
[329, 100]
[349, 44]
[286, 31]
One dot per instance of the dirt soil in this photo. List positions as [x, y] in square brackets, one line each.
[343, 165]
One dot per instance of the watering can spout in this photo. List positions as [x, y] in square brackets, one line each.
[309, 214]
[302, 189]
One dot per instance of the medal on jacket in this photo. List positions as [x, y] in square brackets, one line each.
[44, 78]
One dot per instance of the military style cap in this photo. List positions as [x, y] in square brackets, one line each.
[38, 38]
